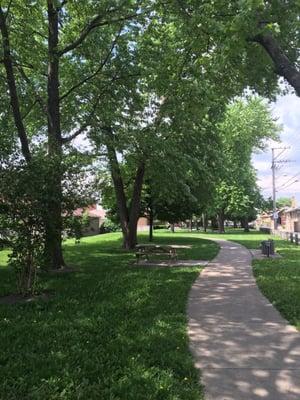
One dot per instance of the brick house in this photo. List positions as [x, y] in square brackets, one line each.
[292, 219]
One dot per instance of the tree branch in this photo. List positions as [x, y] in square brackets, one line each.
[30, 108]
[94, 23]
[99, 69]
[283, 66]
[85, 125]
[38, 98]
[11, 82]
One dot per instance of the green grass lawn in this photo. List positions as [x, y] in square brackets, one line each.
[110, 331]
[278, 279]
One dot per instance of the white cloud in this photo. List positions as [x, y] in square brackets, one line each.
[286, 109]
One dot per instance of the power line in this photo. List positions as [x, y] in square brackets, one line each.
[276, 164]
[293, 177]
[297, 180]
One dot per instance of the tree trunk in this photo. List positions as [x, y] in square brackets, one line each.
[151, 218]
[204, 219]
[283, 66]
[246, 224]
[235, 224]
[11, 83]
[128, 217]
[172, 228]
[134, 213]
[221, 222]
[214, 223]
[53, 221]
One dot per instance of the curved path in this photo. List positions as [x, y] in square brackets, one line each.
[244, 348]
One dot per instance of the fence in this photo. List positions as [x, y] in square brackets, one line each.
[293, 237]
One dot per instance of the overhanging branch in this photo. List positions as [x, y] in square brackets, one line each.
[98, 70]
[94, 23]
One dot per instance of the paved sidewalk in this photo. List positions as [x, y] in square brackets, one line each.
[244, 348]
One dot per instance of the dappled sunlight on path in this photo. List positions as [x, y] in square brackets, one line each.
[244, 348]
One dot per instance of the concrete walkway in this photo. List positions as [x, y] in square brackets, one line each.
[244, 348]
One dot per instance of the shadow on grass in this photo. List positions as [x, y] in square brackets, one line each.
[110, 332]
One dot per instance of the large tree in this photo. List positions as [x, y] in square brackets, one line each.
[245, 128]
[51, 52]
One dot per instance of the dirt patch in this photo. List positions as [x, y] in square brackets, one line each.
[16, 298]
[65, 270]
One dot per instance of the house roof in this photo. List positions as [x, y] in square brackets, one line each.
[93, 211]
[292, 209]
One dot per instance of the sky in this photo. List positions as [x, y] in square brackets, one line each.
[287, 112]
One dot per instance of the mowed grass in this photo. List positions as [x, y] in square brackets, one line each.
[278, 279]
[110, 330]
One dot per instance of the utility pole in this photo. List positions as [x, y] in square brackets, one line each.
[274, 165]
[274, 188]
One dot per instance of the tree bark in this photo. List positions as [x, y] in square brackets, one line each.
[283, 66]
[246, 224]
[221, 222]
[53, 220]
[11, 82]
[204, 218]
[134, 213]
[128, 216]
[151, 219]
[172, 228]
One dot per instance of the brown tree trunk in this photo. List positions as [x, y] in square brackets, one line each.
[246, 224]
[128, 217]
[172, 228]
[283, 66]
[11, 83]
[221, 222]
[204, 218]
[53, 220]
[151, 218]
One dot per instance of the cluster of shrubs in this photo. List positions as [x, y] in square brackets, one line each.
[109, 226]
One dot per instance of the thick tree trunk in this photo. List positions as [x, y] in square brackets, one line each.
[221, 222]
[283, 66]
[53, 221]
[134, 212]
[214, 223]
[235, 224]
[246, 224]
[172, 226]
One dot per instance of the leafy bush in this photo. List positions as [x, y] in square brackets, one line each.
[109, 226]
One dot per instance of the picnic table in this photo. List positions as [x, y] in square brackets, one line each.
[145, 250]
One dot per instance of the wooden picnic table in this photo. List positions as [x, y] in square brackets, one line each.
[145, 250]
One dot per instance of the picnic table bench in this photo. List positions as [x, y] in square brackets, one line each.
[145, 250]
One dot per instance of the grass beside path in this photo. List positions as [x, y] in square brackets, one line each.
[110, 331]
[278, 279]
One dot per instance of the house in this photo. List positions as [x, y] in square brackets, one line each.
[292, 219]
[264, 221]
[96, 217]
[143, 224]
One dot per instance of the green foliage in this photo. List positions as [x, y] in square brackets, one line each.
[117, 331]
[245, 128]
[267, 204]
[109, 226]
[22, 215]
